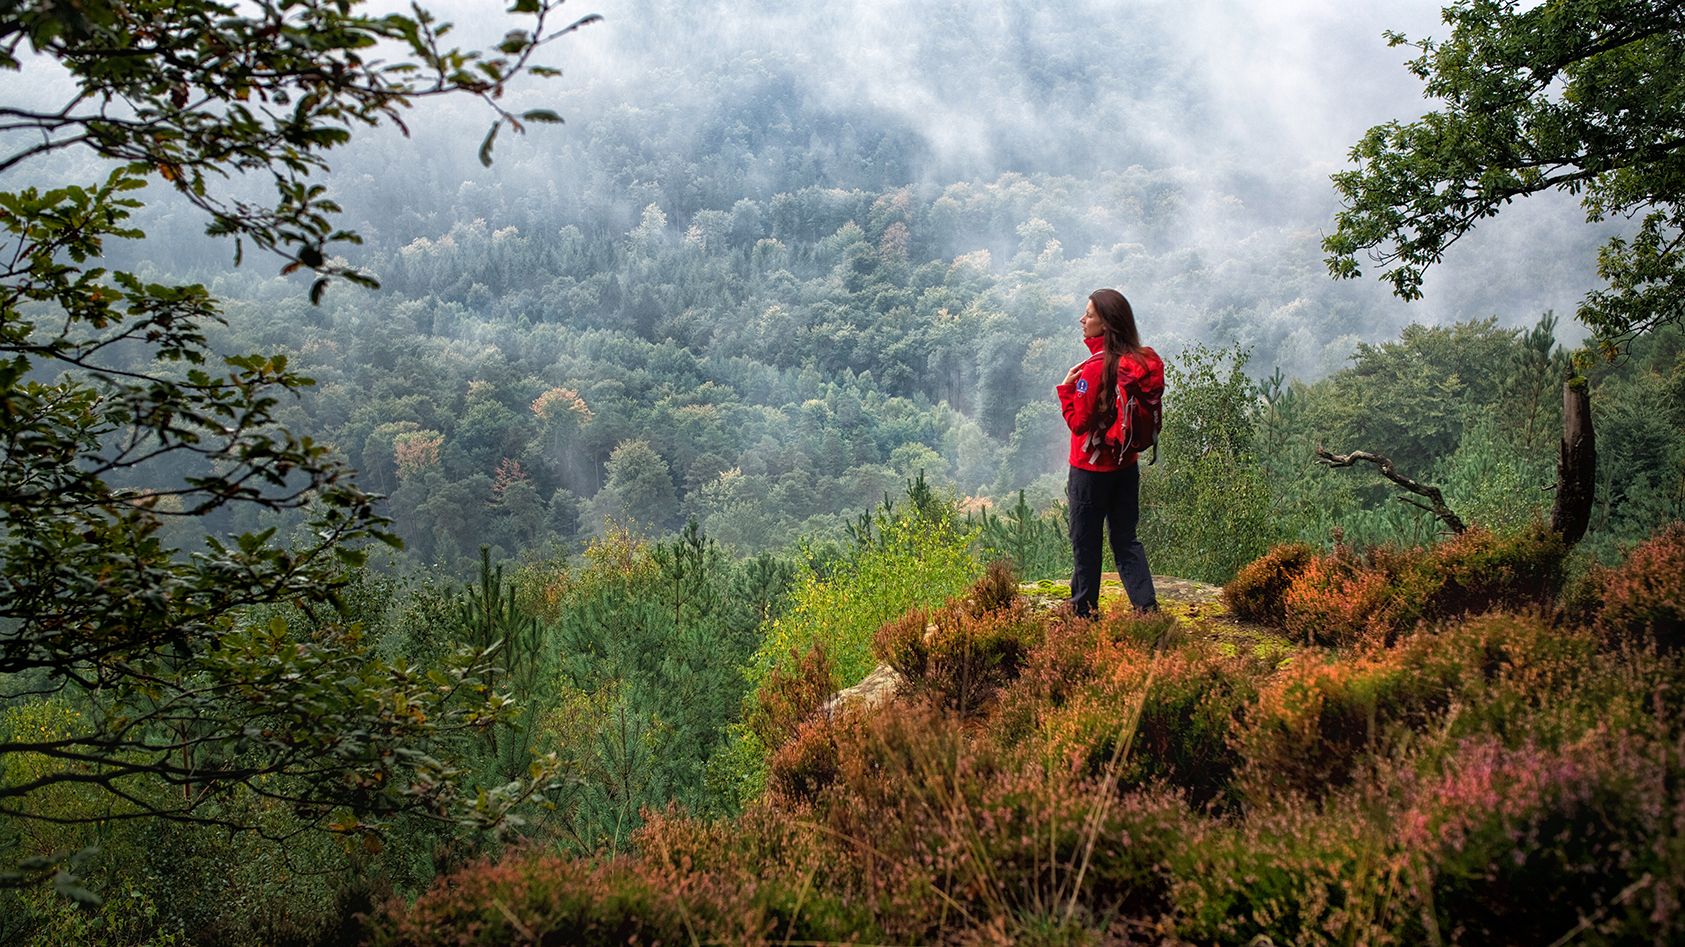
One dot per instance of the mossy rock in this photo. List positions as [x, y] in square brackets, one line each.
[1197, 606]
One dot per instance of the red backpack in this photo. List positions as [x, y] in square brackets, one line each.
[1140, 415]
[1138, 420]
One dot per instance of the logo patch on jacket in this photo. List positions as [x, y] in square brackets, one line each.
[1082, 386]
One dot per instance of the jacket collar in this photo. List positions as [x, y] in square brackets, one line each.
[1096, 344]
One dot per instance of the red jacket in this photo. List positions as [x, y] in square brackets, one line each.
[1082, 398]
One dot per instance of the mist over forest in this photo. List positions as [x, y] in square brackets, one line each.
[1179, 152]
[815, 251]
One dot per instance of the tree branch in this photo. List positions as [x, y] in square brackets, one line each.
[1436, 500]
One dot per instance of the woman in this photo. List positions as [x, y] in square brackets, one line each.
[1104, 485]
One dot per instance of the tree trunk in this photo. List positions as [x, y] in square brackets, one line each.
[1576, 466]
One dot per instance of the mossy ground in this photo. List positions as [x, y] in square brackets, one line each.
[1197, 606]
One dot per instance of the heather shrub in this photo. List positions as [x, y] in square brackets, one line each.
[1432, 847]
[1287, 874]
[806, 763]
[1164, 717]
[1582, 595]
[1309, 725]
[1336, 599]
[790, 871]
[1478, 571]
[1185, 734]
[1314, 722]
[1085, 729]
[1343, 598]
[1517, 677]
[791, 694]
[536, 898]
[1643, 598]
[1532, 844]
[997, 589]
[900, 643]
[1075, 659]
[1256, 591]
[1123, 625]
[950, 831]
[1059, 664]
[957, 655]
[1426, 849]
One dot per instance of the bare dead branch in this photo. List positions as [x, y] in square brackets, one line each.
[1436, 500]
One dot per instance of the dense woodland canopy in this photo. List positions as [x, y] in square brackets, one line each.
[739, 361]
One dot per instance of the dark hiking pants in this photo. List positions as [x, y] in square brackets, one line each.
[1112, 497]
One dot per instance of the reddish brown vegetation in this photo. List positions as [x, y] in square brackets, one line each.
[1342, 597]
[1318, 719]
[1257, 591]
[962, 653]
[1643, 598]
[791, 695]
[1495, 778]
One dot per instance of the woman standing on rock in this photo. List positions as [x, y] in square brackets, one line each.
[1104, 486]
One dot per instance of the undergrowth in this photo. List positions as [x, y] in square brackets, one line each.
[1476, 762]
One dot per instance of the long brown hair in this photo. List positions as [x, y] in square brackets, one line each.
[1121, 338]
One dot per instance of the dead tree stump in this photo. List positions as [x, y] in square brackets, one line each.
[1576, 465]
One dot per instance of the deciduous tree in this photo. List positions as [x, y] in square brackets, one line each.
[115, 417]
[1580, 96]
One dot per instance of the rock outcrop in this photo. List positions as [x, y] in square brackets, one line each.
[1198, 607]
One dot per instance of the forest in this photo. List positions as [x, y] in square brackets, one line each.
[510, 567]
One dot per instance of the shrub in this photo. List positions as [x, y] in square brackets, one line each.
[1316, 720]
[958, 655]
[1580, 829]
[806, 764]
[1342, 598]
[1335, 600]
[945, 832]
[526, 898]
[535, 898]
[1643, 598]
[1178, 731]
[1479, 571]
[1287, 874]
[1490, 844]
[1084, 728]
[1185, 735]
[997, 589]
[1052, 671]
[787, 875]
[790, 695]
[1312, 723]
[1123, 626]
[1256, 591]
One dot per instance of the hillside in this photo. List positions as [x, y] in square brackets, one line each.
[1455, 732]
